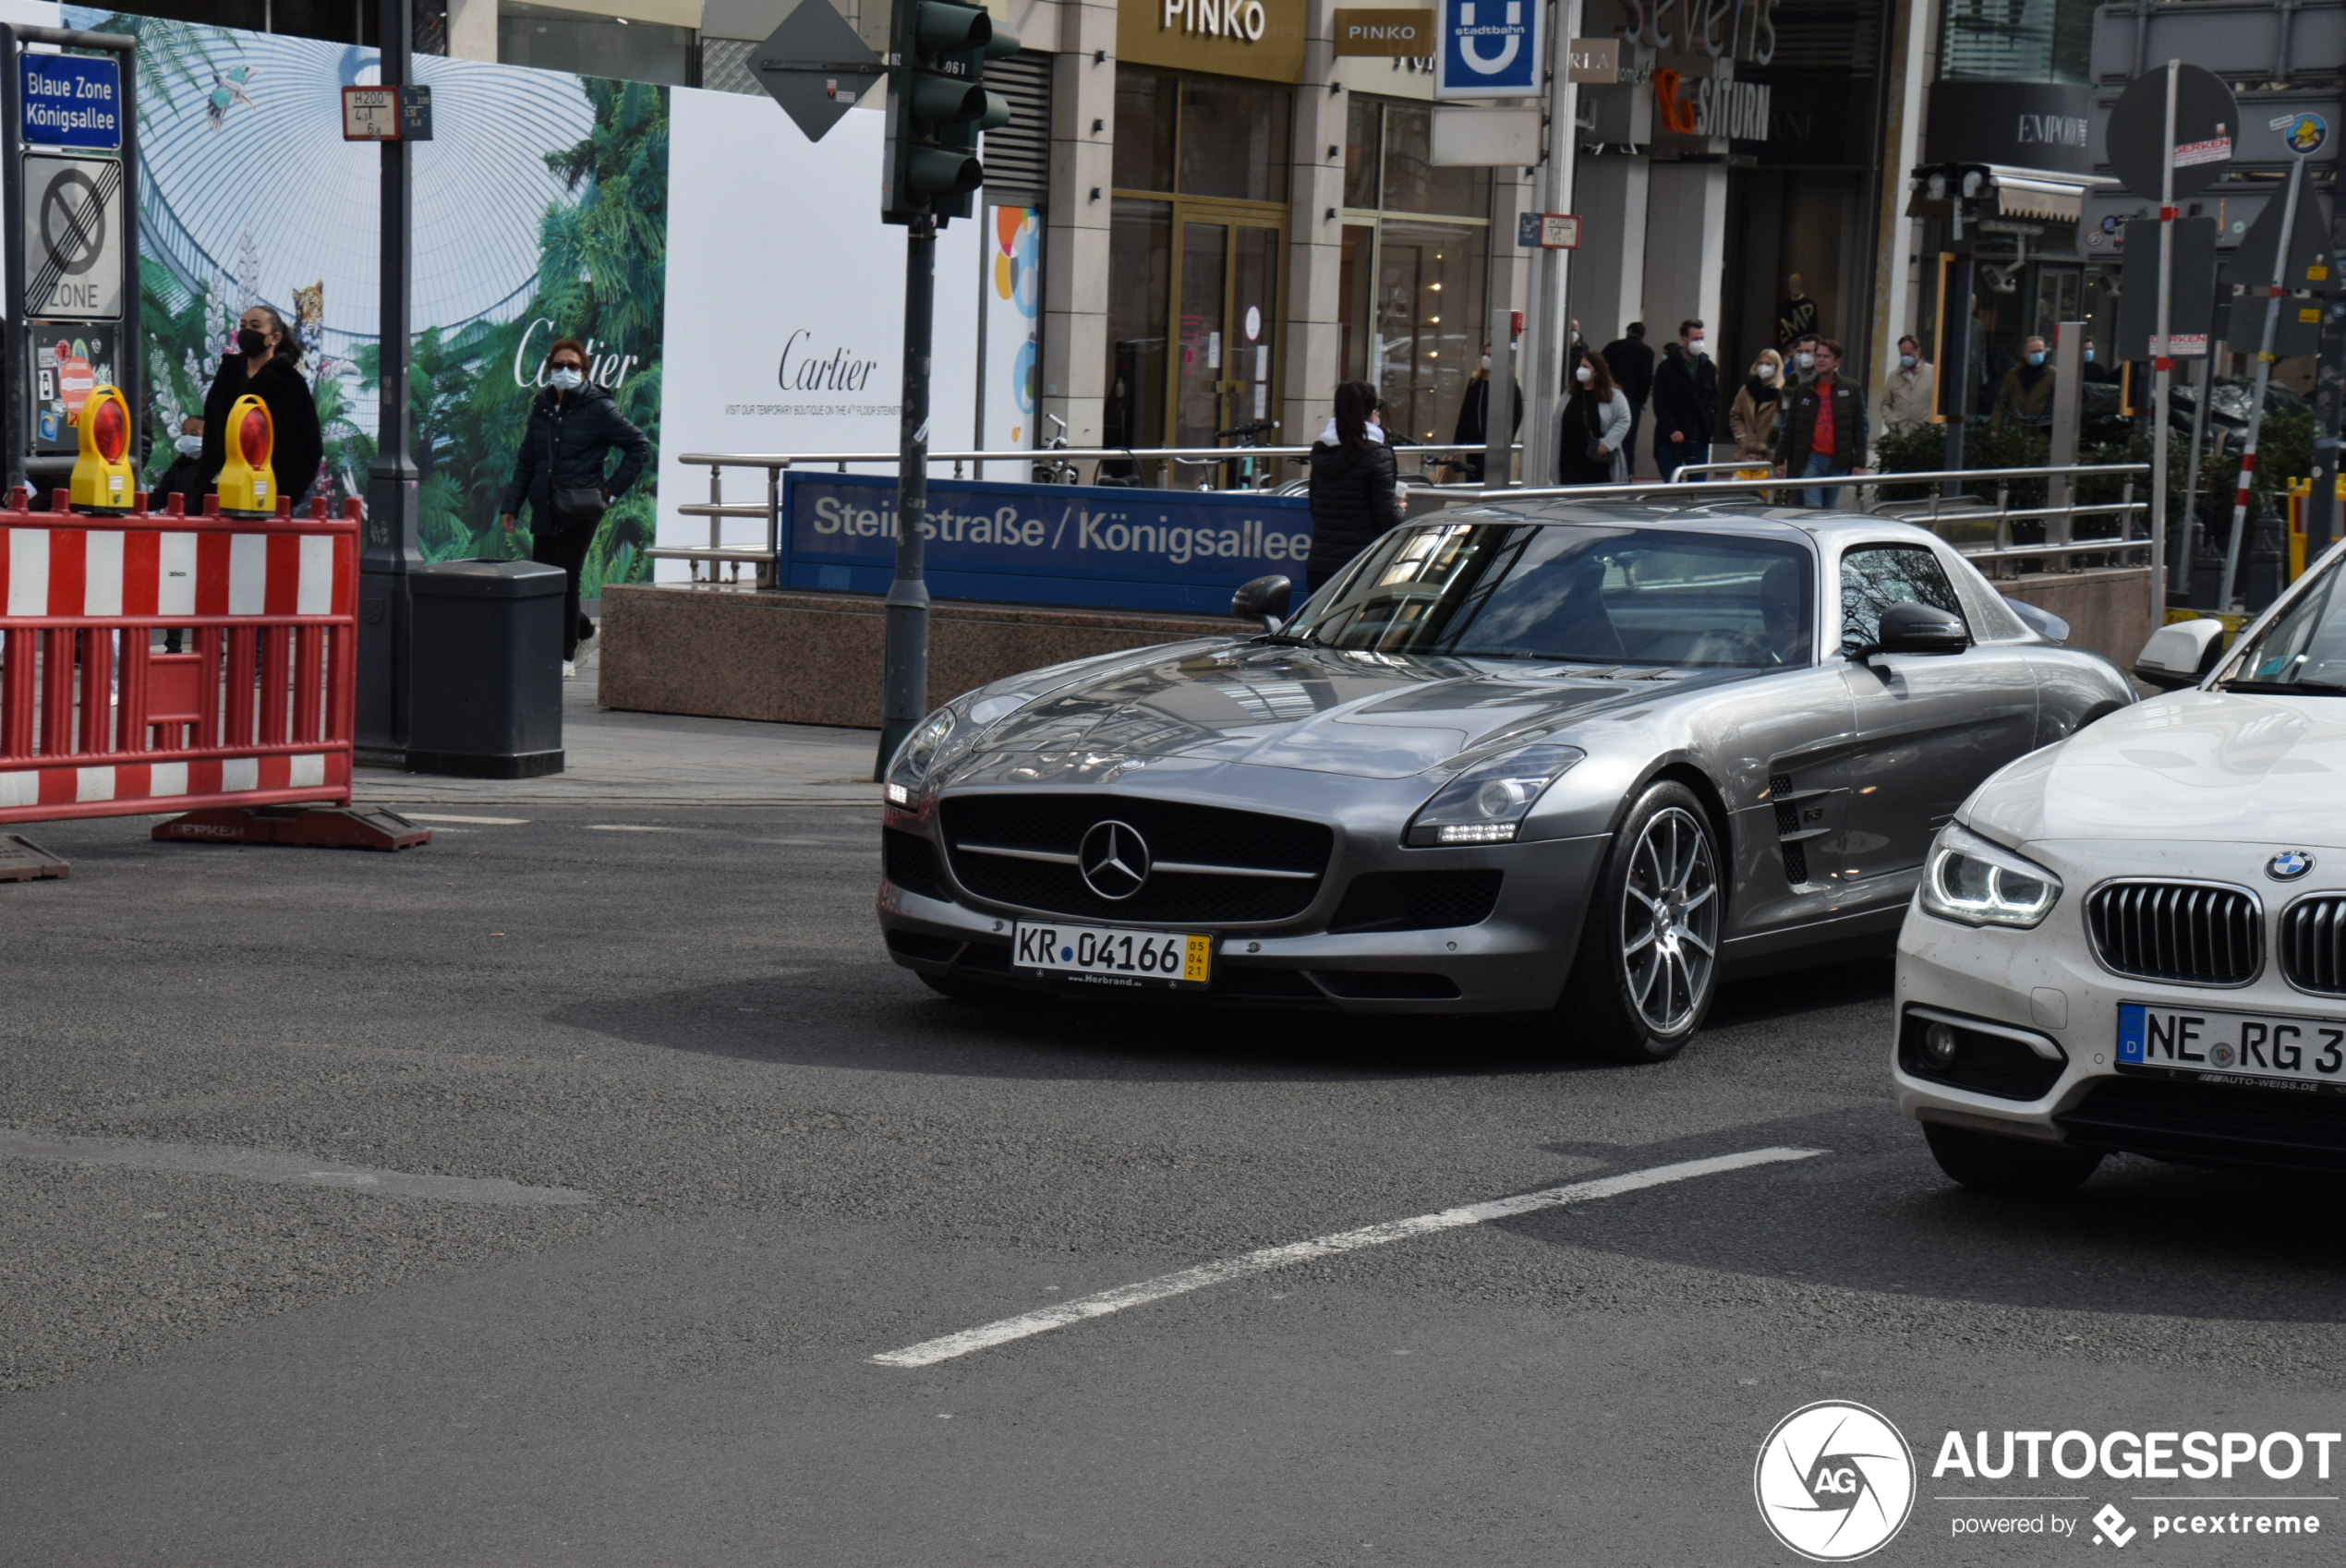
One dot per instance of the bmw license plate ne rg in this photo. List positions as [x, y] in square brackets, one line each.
[1093, 955]
[2289, 1051]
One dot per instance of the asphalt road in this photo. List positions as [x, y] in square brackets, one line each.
[793, 1157]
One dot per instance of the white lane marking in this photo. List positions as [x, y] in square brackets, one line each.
[640, 827]
[485, 821]
[929, 1352]
[259, 1164]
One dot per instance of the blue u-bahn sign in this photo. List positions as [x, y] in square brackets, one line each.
[1179, 550]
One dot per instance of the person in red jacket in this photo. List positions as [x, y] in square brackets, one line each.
[1822, 430]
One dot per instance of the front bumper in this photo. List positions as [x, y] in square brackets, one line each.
[2047, 984]
[1515, 960]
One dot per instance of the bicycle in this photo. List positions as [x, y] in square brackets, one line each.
[1062, 471]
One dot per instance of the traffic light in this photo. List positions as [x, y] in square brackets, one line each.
[247, 483]
[937, 107]
[101, 478]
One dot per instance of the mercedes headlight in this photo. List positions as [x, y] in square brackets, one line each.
[1974, 882]
[910, 767]
[1487, 803]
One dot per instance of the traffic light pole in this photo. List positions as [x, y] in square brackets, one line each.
[905, 681]
[388, 551]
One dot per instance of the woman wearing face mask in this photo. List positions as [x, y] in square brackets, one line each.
[1474, 420]
[1596, 427]
[266, 364]
[1356, 494]
[572, 426]
[1751, 420]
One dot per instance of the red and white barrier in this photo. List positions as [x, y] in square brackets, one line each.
[258, 710]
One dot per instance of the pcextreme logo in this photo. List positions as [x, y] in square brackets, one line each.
[1835, 1481]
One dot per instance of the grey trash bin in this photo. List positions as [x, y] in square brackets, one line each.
[488, 669]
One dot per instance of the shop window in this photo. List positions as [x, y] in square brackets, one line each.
[592, 45]
[1415, 269]
[1139, 282]
[1196, 237]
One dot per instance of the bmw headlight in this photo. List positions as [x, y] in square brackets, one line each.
[1975, 882]
[1487, 803]
[910, 767]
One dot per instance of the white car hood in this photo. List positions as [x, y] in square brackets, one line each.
[2197, 765]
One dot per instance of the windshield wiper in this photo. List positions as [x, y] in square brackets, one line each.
[1282, 640]
[2284, 688]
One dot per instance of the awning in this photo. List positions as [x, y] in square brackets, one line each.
[2038, 193]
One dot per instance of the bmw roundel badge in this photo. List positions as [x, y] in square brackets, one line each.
[2289, 865]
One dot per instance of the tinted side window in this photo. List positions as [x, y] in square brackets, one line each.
[1872, 580]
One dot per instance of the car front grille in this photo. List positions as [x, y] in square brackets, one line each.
[2177, 1119]
[1417, 900]
[910, 862]
[2190, 932]
[2313, 944]
[1241, 845]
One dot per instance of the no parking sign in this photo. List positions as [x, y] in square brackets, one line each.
[1489, 49]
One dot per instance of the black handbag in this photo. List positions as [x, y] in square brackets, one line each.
[574, 506]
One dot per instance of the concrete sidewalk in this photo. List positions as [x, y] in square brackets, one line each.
[659, 759]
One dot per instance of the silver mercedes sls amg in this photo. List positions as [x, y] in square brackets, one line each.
[1575, 757]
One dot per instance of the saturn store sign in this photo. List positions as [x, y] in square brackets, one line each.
[1263, 38]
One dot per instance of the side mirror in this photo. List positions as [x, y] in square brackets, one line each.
[1263, 599]
[2037, 619]
[2181, 655]
[1912, 628]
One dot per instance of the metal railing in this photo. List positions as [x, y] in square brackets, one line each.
[1981, 529]
[765, 557]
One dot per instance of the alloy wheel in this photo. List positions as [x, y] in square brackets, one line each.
[1670, 919]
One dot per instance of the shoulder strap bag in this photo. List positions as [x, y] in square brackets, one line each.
[574, 506]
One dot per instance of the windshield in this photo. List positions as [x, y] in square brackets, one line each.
[2304, 650]
[1560, 591]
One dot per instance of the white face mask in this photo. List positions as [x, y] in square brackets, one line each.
[191, 446]
[1907, 360]
[1486, 362]
[1695, 341]
[1807, 361]
[566, 379]
[1764, 371]
[1582, 374]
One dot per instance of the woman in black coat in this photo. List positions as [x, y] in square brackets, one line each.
[266, 364]
[572, 426]
[1355, 494]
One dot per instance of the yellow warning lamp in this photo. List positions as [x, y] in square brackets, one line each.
[247, 484]
[101, 478]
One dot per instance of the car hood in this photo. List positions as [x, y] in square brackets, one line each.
[1324, 711]
[2204, 765]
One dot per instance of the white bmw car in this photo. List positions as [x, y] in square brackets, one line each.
[2136, 939]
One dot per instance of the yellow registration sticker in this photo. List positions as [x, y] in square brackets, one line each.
[1199, 960]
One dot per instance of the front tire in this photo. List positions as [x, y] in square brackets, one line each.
[2008, 1167]
[1649, 961]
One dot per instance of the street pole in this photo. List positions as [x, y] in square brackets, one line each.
[1498, 410]
[1955, 346]
[389, 550]
[1547, 316]
[905, 681]
[2163, 363]
[2263, 377]
[2329, 401]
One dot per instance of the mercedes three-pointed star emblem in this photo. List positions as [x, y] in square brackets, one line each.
[1114, 859]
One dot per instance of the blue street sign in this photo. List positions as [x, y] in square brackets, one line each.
[1489, 49]
[1184, 550]
[72, 101]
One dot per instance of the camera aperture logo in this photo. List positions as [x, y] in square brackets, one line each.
[1835, 1482]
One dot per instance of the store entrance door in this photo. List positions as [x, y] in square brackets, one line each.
[1225, 371]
